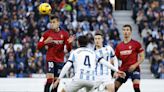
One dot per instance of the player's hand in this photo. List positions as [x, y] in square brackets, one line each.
[120, 74]
[115, 75]
[132, 68]
[71, 39]
[56, 83]
[48, 40]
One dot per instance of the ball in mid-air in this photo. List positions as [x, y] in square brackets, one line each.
[45, 9]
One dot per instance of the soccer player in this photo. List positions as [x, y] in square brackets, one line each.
[131, 53]
[84, 61]
[102, 72]
[55, 39]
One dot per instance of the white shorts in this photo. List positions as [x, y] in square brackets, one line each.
[73, 85]
[105, 79]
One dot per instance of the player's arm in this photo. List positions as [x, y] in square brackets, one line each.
[63, 72]
[68, 65]
[140, 59]
[109, 65]
[65, 69]
[100, 59]
[44, 40]
[114, 59]
[141, 54]
[68, 41]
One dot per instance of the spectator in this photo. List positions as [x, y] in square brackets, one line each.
[148, 14]
[3, 72]
[21, 26]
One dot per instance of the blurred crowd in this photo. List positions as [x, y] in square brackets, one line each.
[21, 26]
[149, 16]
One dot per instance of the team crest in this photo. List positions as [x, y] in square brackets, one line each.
[130, 47]
[106, 49]
[61, 36]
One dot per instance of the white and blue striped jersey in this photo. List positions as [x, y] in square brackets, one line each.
[84, 62]
[107, 53]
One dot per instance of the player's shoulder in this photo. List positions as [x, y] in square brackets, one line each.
[83, 49]
[47, 32]
[135, 42]
[108, 47]
[120, 44]
[63, 31]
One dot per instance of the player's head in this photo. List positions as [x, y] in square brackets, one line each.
[82, 41]
[98, 39]
[127, 30]
[54, 22]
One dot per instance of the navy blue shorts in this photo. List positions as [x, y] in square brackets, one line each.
[133, 75]
[54, 67]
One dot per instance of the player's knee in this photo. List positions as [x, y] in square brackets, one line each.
[110, 88]
[136, 87]
[117, 84]
[63, 90]
[49, 80]
[49, 75]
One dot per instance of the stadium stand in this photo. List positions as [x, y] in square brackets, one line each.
[21, 26]
[149, 16]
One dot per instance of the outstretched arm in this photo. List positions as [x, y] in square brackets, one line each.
[65, 69]
[44, 41]
[68, 41]
[114, 61]
[109, 65]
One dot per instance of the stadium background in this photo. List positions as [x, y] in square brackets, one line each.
[21, 26]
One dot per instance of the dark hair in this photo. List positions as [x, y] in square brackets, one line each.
[127, 25]
[83, 41]
[99, 33]
[54, 17]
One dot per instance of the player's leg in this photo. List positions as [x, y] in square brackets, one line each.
[49, 76]
[62, 84]
[72, 86]
[117, 85]
[119, 81]
[136, 80]
[57, 69]
[88, 87]
[110, 87]
[136, 85]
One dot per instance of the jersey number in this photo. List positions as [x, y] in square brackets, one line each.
[50, 64]
[87, 61]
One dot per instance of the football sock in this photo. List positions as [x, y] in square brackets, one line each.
[48, 84]
[136, 87]
[55, 89]
[116, 89]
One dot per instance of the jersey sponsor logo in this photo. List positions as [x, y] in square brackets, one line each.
[126, 52]
[58, 41]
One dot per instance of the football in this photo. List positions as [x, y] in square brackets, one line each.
[45, 8]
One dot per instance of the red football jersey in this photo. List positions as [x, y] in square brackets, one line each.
[55, 50]
[128, 53]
